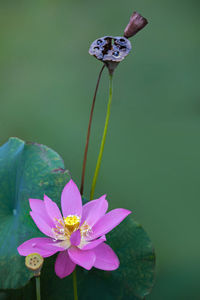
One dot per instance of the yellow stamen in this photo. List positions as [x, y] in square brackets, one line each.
[72, 223]
[85, 229]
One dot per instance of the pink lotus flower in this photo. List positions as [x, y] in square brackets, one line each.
[78, 235]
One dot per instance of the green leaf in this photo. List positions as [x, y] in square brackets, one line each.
[135, 277]
[27, 170]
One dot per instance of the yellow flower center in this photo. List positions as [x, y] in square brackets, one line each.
[66, 226]
[71, 223]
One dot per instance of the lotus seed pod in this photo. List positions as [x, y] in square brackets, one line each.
[110, 50]
[34, 263]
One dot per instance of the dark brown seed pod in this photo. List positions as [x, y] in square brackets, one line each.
[110, 50]
[136, 23]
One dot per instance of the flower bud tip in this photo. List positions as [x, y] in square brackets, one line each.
[136, 23]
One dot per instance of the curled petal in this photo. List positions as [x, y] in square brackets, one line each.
[84, 259]
[75, 238]
[38, 207]
[63, 265]
[106, 259]
[52, 209]
[108, 222]
[95, 243]
[44, 246]
[71, 201]
[41, 224]
[94, 210]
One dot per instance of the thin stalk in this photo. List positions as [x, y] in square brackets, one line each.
[37, 279]
[102, 141]
[88, 132]
[75, 285]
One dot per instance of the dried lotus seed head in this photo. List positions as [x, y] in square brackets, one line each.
[34, 262]
[110, 50]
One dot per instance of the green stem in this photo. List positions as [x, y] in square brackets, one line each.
[75, 285]
[102, 141]
[37, 278]
[88, 132]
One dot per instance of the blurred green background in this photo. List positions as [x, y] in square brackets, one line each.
[151, 162]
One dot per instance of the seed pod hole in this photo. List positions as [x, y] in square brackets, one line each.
[116, 53]
[99, 42]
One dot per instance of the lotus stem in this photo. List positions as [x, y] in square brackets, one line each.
[38, 296]
[75, 285]
[103, 139]
[88, 132]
